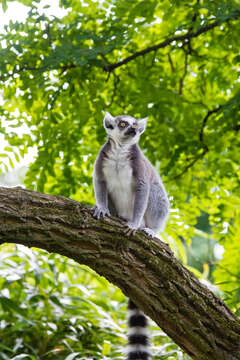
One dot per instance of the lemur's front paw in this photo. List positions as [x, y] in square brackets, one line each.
[149, 232]
[131, 229]
[99, 212]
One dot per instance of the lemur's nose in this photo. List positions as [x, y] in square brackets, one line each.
[131, 131]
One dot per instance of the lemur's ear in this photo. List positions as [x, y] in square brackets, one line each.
[142, 124]
[108, 121]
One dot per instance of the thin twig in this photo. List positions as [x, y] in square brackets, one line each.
[200, 156]
[209, 113]
[171, 63]
[116, 82]
[184, 73]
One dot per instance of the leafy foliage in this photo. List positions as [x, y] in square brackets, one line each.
[174, 61]
[47, 312]
[50, 308]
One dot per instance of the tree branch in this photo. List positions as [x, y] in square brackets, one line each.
[181, 81]
[110, 67]
[163, 44]
[171, 63]
[145, 269]
[115, 86]
[201, 138]
[189, 165]
[204, 123]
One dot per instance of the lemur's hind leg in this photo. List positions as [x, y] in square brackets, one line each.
[111, 207]
[157, 210]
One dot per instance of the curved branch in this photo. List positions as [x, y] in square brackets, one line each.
[168, 41]
[145, 269]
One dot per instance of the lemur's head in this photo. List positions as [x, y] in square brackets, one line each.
[124, 129]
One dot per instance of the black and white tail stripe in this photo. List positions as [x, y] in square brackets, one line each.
[138, 339]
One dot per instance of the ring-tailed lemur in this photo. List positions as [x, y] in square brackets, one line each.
[126, 185]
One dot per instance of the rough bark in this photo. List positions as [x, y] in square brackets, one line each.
[145, 269]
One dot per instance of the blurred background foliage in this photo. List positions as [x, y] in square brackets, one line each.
[58, 74]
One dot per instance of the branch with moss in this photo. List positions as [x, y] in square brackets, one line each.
[144, 269]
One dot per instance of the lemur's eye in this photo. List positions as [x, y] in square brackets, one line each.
[122, 124]
[135, 126]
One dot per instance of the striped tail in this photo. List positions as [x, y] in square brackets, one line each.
[138, 339]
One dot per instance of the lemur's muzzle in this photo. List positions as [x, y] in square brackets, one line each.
[131, 131]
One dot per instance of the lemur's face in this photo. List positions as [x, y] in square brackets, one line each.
[124, 129]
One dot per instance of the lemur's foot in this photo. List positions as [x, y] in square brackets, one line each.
[131, 229]
[129, 232]
[100, 212]
[149, 232]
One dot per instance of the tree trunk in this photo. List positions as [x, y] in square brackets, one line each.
[144, 269]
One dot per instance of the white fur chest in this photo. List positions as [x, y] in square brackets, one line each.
[120, 182]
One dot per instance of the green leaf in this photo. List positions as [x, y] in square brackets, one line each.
[106, 348]
[55, 300]
[8, 148]
[10, 305]
[16, 157]
[11, 162]
[4, 5]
